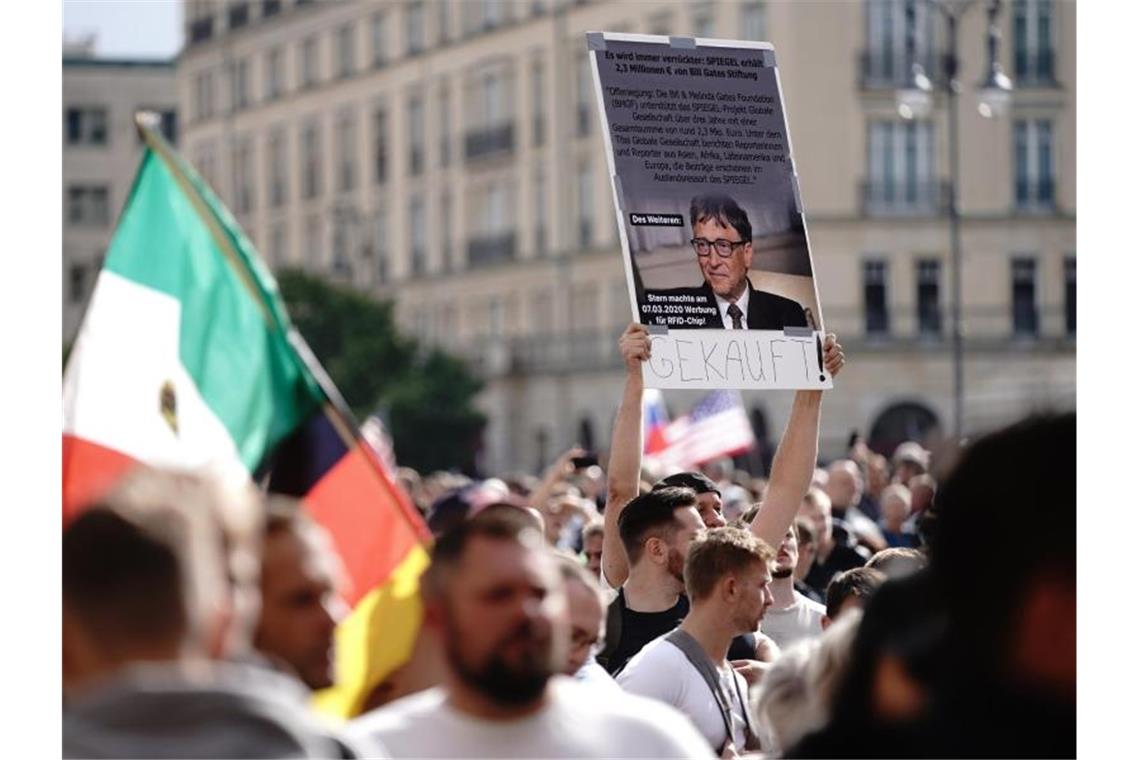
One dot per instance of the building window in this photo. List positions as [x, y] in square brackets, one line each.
[168, 120]
[875, 311]
[900, 169]
[1033, 42]
[270, 8]
[444, 20]
[379, 144]
[308, 63]
[585, 207]
[1024, 285]
[203, 95]
[274, 84]
[1071, 296]
[346, 51]
[88, 205]
[491, 129]
[243, 176]
[278, 162]
[540, 224]
[928, 277]
[204, 162]
[311, 161]
[416, 126]
[417, 37]
[239, 85]
[417, 219]
[886, 62]
[446, 249]
[492, 239]
[278, 243]
[86, 126]
[313, 252]
[444, 125]
[239, 14]
[585, 94]
[380, 246]
[379, 40]
[1033, 164]
[537, 102]
[346, 152]
[77, 283]
[704, 24]
[201, 29]
[752, 25]
[341, 265]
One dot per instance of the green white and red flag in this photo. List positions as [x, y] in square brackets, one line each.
[186, 359]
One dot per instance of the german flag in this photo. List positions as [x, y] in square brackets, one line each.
[187, 359]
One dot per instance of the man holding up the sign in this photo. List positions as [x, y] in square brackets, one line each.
[722, 240]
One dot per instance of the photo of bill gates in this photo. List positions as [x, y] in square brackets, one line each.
[722, 242]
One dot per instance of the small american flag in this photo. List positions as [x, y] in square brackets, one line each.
[717, 426]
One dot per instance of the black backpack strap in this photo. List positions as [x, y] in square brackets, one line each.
[696, 655]
[613, 631]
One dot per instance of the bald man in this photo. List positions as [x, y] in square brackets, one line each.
[845, 489]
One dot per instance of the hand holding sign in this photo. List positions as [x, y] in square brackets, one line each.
[833, 357]
[635, 346]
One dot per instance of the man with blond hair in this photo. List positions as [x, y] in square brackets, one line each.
[726, 577]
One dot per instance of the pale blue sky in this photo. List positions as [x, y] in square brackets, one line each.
[127, 28]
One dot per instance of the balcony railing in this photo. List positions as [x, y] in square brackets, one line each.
[878, 71]
[1038, 195]
[482, 251]
[480, 143]
[920, 198]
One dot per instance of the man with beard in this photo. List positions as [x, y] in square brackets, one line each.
[494, 596]
[298, 584]
[793, 616]
[727, 579]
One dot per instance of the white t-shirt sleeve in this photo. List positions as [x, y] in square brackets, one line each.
[652, 673]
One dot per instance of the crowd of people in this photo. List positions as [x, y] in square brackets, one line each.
[877, 606]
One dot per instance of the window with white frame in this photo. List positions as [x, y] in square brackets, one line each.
[311, 160]
[537, 101]
[314, 252]
[346, 50]
[417, 220]
[415, 29]
[239, 85]
[346, 150]
[704, 20]
[88, 204]
[274, 73]
[900, 167]
[876, 311]
[1033, 53]
[887, 62]
[928, 276]
[416, 127]
[204, 95]
[444, 122]
[308, 62]
[585, 196]
[585, 93]
[380, 246]
[1033, 163]
[1023, 281]
[540, 224]
[379, 34]
[278, 166]
[243, 175]
[752, 22]
[85, 125]
[379, 144]
[445, 244]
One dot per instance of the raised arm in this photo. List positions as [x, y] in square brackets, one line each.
[624, 472]
[555, 474]
[795, 459]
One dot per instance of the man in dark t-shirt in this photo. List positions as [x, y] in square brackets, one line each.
[656, 530]
[835, 551]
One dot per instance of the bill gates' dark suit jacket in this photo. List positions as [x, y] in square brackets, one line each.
[766, 311]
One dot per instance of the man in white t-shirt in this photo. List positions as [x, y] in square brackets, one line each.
[727, 578]
[494, 597]
[792, 617]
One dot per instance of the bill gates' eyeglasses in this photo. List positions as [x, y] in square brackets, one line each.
[724, 248]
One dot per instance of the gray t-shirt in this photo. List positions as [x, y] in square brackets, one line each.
[800, 621]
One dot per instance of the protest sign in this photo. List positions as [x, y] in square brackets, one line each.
[712, 228]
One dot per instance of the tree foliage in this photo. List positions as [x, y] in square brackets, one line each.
[427, 394]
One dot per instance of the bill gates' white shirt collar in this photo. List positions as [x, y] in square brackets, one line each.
[722, 305]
